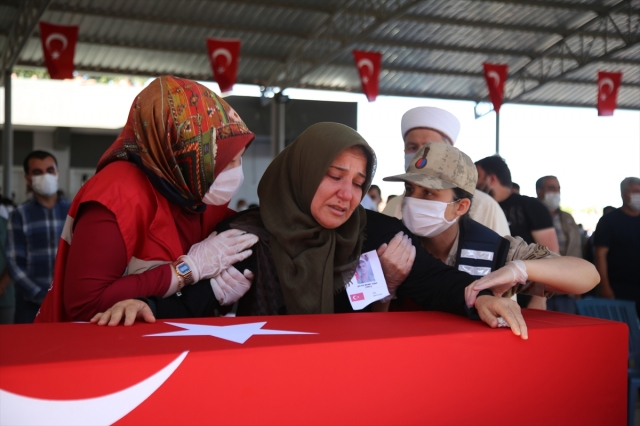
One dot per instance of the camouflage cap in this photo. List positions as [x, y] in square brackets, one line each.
[440, 166]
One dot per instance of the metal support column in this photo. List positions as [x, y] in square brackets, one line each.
[277, 123]
[7, 138]
[497, 133]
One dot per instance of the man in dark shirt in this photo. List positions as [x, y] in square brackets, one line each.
[528, 218]
[617, 242]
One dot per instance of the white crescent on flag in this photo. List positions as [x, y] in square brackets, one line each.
[493, 75]
[364, 62]
[104, 410]
[605, 82]
[224, 52]
[56, 36]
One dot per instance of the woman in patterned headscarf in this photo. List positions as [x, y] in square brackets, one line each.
[158, 193]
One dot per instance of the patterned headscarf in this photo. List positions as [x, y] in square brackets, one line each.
[312, 262]
[182, 135]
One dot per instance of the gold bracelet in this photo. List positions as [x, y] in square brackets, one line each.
[180, 278]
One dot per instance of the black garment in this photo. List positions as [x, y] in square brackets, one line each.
[431, 283]
[475, 244]
[525, 214]
[621, 234]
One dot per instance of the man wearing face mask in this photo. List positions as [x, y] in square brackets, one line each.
[617, 242]
[429, 124]
[569, 238]
[33, 233]
[567, 231]
[528, 218]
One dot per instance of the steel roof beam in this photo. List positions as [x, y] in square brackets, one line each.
[549, 4]
[168, 21]
[560, 31]
[350, 28]
[582, 7]
[251, 29]
[579, 47]
[28, 16]
[380, 42]
[282, 59]
[436, 95]
[156, 48]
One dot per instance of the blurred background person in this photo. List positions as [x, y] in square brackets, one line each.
[33, 234]
[515, 188]
[376, 196]
[567, 232]
[528, 218]
[617, 246]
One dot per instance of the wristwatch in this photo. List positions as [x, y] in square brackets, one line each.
[184, 272]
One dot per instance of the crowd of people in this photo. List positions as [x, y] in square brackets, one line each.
[151, 235]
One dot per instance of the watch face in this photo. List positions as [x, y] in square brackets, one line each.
[183, 268]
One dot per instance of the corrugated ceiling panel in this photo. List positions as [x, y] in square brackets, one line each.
[168, 36]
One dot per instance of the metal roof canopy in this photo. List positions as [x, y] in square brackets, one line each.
[431, 48]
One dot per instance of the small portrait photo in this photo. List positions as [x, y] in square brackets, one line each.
[364, 273]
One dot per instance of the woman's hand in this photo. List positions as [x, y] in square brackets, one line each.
[216, 253]
[498, 281]
[131, 310]
[490, 308]
[231, 285]
[396, 259]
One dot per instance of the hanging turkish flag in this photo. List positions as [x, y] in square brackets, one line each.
[608, 85]
[368, 64]
[58, 49]
[223, 55]
[496, 76]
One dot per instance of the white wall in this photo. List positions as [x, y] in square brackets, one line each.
[68, 103]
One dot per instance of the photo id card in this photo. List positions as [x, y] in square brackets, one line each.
[368, 284]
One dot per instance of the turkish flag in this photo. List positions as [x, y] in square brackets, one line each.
[58, 49]
[608, 85]
[496, 76]
[223, 55]
[368, 64]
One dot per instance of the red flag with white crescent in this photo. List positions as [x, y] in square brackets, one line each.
[496, 76]
[368, 64]
[223, 55]
[608, 85]
[58, 49]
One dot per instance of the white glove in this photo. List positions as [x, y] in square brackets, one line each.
[231, 285]
[216, 253]
[498, 281]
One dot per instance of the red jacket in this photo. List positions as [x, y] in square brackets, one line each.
[145, 221]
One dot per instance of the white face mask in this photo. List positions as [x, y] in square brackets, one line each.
[45, 185]
[407, 160]
[634, 202]
[552, 200]
[224, 187]
[425, 218]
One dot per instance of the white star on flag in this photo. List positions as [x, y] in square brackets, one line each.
[55, 55]
[239, 333]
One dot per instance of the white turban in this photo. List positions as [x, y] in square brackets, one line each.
[433, 118]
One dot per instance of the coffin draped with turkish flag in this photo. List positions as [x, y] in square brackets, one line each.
[417, 368]
[496, 76]
[58, 49]
[223, 56]
[368, 64]
[608, 86]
